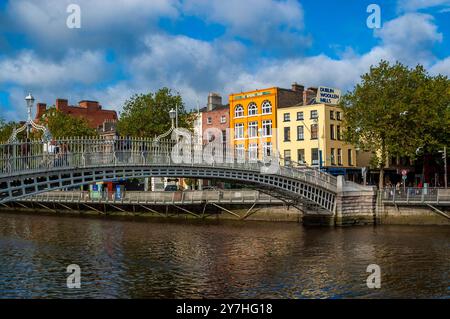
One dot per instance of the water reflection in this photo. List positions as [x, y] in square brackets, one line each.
[153, 259]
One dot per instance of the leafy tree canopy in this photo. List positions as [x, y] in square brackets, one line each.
[64, 125]
[396, 110]
[6, 129]
[147, 115]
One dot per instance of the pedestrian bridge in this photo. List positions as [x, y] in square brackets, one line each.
[32, 167]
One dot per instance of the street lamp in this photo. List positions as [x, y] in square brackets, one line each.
[444, 156]
[172, 115]
[30, 101]
[46, 136]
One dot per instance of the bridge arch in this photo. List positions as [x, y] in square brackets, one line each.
[99, 161]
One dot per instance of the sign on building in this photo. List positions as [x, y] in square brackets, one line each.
[328, 95]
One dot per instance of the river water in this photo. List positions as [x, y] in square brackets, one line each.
[177, 259]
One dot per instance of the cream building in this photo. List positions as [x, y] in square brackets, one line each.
[312, 135]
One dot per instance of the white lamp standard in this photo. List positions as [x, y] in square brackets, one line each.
[46, 136]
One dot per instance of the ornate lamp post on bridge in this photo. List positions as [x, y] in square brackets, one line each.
[29, 124]
[157, 147]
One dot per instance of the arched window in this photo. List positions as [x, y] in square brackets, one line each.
[239, 111]
[252, 109]
[266, 107]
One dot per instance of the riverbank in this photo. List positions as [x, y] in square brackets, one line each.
[385, 215]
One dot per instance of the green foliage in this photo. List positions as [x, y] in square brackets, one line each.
[147, 115]
[395, 110]
[6, 129]
[64, 125]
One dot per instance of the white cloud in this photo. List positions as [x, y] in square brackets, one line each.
[27, 69]
[264, 22]
[103, 22]
[415, 5]
[194, 67]
[441, 67]
[410, 38]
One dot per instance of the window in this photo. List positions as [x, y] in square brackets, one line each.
[224, 136]
[252, 109]
[299, 116]
[286, 117]
[331, 115]
[253, 152]
[239, 130]
[287, 157]
[240, 152]
[314, 131]
[253, 129]
[338, 116]
[338, 132]
[267, 127]
[209, 120]
[266, 107]
[300, 133]
[315, 156]
[238, 111]
[314, 115]
[223, 119]
[339, 156]
[267, 149]
[350, 161]
[332, 132]
[287, 134]
[301, 156]
[333, 161]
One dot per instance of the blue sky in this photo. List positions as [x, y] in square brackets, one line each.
[198, 46]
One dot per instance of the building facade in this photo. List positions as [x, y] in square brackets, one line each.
[253, 119]
[215, 117]
[312, 135]
[91, 111]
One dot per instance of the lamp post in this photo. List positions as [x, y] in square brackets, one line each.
[30, 101]
[46, 136]
[444, 156]
[173, 114]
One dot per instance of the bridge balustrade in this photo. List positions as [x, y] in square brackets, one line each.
[66, 153]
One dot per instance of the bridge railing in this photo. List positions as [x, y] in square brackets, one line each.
[35, 156]
[158, 197]
[412, 195]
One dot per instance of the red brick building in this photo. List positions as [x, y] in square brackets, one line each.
[91, 111]
[215, 115]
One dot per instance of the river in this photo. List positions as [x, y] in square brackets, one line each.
[149, 258]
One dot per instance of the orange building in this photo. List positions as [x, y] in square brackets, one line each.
[253, 118]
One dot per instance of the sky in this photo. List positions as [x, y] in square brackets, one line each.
[124, 47]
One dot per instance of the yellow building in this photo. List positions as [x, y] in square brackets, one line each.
[253, 119]
[312, 135]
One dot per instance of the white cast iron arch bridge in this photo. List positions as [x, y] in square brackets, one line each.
[32, 167]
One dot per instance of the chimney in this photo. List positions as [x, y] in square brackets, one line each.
[309, 95]
[61, 104]
[214, 100]
[297, 87]
[40, 109]
[89, 105]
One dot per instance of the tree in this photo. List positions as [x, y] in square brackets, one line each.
[6, 129]
[147, 115]
[395, 110]
[63, 125]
